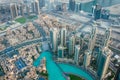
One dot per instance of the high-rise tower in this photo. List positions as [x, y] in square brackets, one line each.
[107, 37]
[37, 9]
[72, 5]
[28, 9]
[13, 10]
[87, 58]
[97, 12]
[41, 3]
[92, 40]
[21, 9]
[76, 56]
[104, 63]
[117, 76]
[81, 41]
[54, 39]
[61, 51]
[63, 37]
[72, 45]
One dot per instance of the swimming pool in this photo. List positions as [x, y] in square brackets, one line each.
[56, 71]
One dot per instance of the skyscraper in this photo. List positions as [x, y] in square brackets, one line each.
[13, 10]
[72, 5]
[64, 7]
[61, 50]
[28, 10]
[99, 53]
[117, 76]
[76, 56]
[97, 12]
[54, 39]
[51, 4]
[33, 7]
[20, 9]
[27, 7]
[104, 63]
[81, 41]
[107, 37]
[63, 33]
[92, 39]
[77, 6]
[71, 45]
[41, 3]
[87, 58]
[37, 9]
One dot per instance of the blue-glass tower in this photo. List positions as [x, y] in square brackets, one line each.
[72, 5]
[97, 12]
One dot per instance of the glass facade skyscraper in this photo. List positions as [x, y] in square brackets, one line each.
[72, 5]
[42, 3]
[97, 12]
[104, 63]
[61, 51]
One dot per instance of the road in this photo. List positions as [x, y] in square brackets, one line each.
[16, 27]
[45, 45]
[38, 40]
[68, 19]
[28, 43]
[41, 30]
[111, 65]
[24, 44]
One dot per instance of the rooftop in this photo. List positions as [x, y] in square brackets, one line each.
[20, 64]
[10, 52]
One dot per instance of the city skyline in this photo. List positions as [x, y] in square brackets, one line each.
[59, 40]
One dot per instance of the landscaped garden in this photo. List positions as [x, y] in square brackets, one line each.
[74, 77]
[21, 20]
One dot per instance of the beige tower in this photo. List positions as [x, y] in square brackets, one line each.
[54, 39]
[37, 9]
[13, 10]
[87, 58]
[76, 56]
[63, 37]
